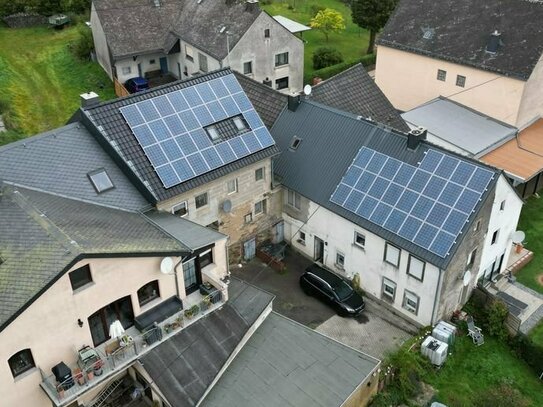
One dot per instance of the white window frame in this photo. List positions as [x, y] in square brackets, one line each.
[301, 238]
[461, 81]
[263, 208]
[294, 199]
[408, 297]
[419, 275]
[363, 236]
[281, 60]
[340, 260]
[262, 171]
[388, 284]
[178, 206]
[232, 183]
[392, 249]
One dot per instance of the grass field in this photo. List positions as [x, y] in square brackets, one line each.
[536, 334]
[352, 42]
[40, 79]
[531, 222]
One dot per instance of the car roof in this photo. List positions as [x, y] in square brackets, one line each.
[324, 274]
[139, 80]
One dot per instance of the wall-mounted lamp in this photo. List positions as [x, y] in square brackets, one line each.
[79, 322]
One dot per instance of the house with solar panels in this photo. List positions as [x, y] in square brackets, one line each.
[419, 224]
[197, 149]
[184, 38]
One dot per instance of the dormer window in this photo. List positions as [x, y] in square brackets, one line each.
[100, 180]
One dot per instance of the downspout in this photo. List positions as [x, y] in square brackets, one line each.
[436, 296]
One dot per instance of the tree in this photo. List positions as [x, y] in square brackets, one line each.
[372, 15]
[328, 21]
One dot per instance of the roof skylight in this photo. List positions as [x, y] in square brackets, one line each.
[100, 180]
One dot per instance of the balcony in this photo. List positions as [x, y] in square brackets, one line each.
[115, 356]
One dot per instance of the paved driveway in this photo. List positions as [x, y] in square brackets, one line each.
[375, 332]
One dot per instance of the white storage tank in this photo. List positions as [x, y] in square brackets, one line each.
[444, 335]
[435, 350]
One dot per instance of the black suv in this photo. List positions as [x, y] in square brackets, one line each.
[331, 289]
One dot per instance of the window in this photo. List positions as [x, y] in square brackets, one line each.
[180, 209]
[359, 239]
[502, 205]
[248, 67]
[495, 237]
[392, 255]
[206, 258]
[441, 75]
[213, 133]
[295, 143]
[281, 83]
[260, 207]
[200, 200]
[100, 180]
[80, 277]
[259, 174]
[126, 70]
[239, 123]
[148, 293]
[293, 199]
[460, 81]
[21, 362]
[267, 33]
[410, 302]
[248, 218]
[340, 260]
[232, 186]
[202, 62]
[301, 239]
[151, 62]
[471, 259]
[415, 268]
[281, 59]
[388, 290]
[189, 53]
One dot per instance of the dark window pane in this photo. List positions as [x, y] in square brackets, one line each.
[21, 362]
[206, 258]
[80, 277]
[148, 292]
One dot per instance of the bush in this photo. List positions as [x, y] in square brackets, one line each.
[496, 313]
[328, 72]
[324, 57]
[530, 352]
[315, 9]
[83, 46]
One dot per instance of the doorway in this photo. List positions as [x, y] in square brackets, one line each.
[164, 65]
[319, 250]
[249, 249]
[278, 233]
[100, 321]
[191, 276]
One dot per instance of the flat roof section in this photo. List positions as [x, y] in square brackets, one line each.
[291, 25]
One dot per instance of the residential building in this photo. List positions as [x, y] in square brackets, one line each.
[419, 224]
[190, 37]
[485, 55]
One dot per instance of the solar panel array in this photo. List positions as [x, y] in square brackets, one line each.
[170, 129]
[427, 205]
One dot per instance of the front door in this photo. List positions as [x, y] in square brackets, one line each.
[319, 250]
[164, 65]
[140, 72]
[100, 321]
[179, 76]
[279, 232]
[249, 249]
[192, 276]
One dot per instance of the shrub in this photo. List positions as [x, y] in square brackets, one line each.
[526, 349]
[324, 57]
[325, 73]
[496, 313]
[83, 46]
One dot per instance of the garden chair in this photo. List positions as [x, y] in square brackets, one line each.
[475, 332]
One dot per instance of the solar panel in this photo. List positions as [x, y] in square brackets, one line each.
[428, 204]
[170, 129]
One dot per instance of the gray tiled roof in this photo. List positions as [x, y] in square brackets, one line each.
[330, 141]
[355, 92]
[136, 26]
[58, 161]
[287, 364]
[107, 123]
[42, 235]
[184, 366]
[460, 31]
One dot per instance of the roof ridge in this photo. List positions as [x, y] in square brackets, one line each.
[39, 136]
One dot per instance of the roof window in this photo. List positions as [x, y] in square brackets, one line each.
[240, 124]
[295, 143]
[213, 133]
[100, 180]
[227, 129]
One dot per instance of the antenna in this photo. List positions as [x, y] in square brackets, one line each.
[307, 90]
[166, 265]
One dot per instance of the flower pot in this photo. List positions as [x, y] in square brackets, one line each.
[90, 375]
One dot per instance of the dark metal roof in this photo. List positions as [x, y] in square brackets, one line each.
[354, 91]
[462, 29]
[330, 141]
[184, 366]
[106, 122]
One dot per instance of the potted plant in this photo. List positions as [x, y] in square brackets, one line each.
[192, 311]
[79, 377]
[90, 374]
[60, 390]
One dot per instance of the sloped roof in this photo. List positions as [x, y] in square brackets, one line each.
[287, 364]
[58, 161]
[42, 235]
[355, 92]
[291, 25]
[331, 140]
[465, 128]
[459, 31]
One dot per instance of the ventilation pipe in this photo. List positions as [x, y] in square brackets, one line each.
[415, 136]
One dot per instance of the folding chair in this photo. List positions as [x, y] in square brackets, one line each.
[475, 332]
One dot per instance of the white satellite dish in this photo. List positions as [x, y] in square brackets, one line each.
[227, 206]
[307, 90]
[166, 265]
[518, 237]
[467, 278]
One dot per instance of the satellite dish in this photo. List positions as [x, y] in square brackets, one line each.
[227, 206]
[166, 265]
[518, 237]
[307, 90]
[467, 278]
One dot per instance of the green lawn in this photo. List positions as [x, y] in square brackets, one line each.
[536, 334]
[40, 79]
[352, 42]
[531, 222]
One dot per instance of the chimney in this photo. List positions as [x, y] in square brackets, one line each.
[157, 3]
[251, 6]
[293, 102]
[415, 136]
[494, 42]
[89, 99]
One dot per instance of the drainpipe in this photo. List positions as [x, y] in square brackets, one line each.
[436, 296]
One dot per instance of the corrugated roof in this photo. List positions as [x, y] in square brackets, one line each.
[522, 157]
[330, 141]
[287, 364]
[465, 128]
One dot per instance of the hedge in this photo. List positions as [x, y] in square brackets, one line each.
[328, 72]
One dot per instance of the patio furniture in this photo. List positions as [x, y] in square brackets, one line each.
[90, 361]
[475, 332]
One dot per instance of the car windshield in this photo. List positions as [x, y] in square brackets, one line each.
[342, 290]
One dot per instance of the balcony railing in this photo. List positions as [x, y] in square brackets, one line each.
[116, 358]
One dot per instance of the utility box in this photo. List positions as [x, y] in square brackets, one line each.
[435, 350]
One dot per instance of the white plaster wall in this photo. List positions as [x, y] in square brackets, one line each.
[192, 67]
[146, 65]
[531, 105]
[338, 234]
[100, 43]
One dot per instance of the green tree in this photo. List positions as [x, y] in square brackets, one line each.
[372, 15]
[328, 21]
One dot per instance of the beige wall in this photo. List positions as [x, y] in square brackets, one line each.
[409, 80]
[532, 98]
[365, 391]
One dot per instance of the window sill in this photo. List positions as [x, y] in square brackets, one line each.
[301, 242]
[150, 304]
[339, 267]
[387, 298]
[25, 374]
[359, 247]
[281, 66]
[410, 310]
[84, 287]
[396, 266]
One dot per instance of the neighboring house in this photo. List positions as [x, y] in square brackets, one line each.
[485, 55]
[409, 217]
[190, 37]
